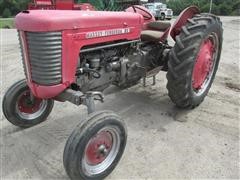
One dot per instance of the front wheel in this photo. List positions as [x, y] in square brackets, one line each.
[193, 61]
[22, 109]
[95, 147]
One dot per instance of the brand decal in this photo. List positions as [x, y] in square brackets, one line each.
[110, 32]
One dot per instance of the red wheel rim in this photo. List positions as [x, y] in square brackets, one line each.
[98, 148]
[204, 64]
[101, 150]
[25, 105]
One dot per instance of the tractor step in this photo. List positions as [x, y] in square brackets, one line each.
[145, 81]
[152, 74]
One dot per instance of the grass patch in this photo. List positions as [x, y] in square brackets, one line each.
[6, 23]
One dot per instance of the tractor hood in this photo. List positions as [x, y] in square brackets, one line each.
[55, 20]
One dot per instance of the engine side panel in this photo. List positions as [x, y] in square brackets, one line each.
[79, 29]
[72, 43]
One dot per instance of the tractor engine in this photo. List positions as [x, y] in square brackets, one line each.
[86, 51]
[123, 66]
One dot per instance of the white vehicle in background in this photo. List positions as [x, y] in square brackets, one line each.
[160, 11]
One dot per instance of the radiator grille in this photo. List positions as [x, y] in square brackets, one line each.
[22, 53]
[45, 57]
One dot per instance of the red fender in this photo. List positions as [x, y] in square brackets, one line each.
[186, 14]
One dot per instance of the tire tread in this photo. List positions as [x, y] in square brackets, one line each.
[182, 58]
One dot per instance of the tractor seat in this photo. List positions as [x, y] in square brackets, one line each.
[151, 35]
[159, 25]
[157, 29]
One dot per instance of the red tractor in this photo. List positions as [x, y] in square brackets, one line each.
[75, 55]
[59, 4]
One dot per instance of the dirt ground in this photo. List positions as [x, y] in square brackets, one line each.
[163, 142]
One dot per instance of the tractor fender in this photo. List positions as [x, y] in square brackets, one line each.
[186, 14]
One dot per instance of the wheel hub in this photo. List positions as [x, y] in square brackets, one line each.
[98, 148]
[103, 150]
[204, 64]
[26, 105]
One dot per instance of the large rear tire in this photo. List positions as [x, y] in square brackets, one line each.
[20, 110]
[194, 60]
[95, 147]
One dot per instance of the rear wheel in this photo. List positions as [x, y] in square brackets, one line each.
[193, 61]
[22, 109]
[95, 147]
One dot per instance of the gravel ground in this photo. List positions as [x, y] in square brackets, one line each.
[163, 142]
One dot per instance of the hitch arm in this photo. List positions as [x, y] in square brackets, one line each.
[78, 98]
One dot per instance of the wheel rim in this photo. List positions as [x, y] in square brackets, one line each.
[205, 64]
[28, 109]
[101, 151]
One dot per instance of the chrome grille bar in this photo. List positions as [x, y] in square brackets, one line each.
[45, 56]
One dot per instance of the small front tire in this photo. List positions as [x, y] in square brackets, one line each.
[21, 109]
[95, 147]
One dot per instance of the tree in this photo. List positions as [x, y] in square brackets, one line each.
[6, 13]
[101, 4]
[14, 6]
[205, 8]
[225, 9]
[236, 8]
[220, 7]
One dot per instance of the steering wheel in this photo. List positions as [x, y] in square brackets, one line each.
[146, 17]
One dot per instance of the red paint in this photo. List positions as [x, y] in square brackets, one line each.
[46, 92]
[59, 4]
[142, 11]
[92, 153]
[25, 105]
[186, 14]
[82, 21]
[75, 25]
[84, 7]
[204, 64]
[64, 5]
[165, 35]
[43, 92]
[43, 2]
